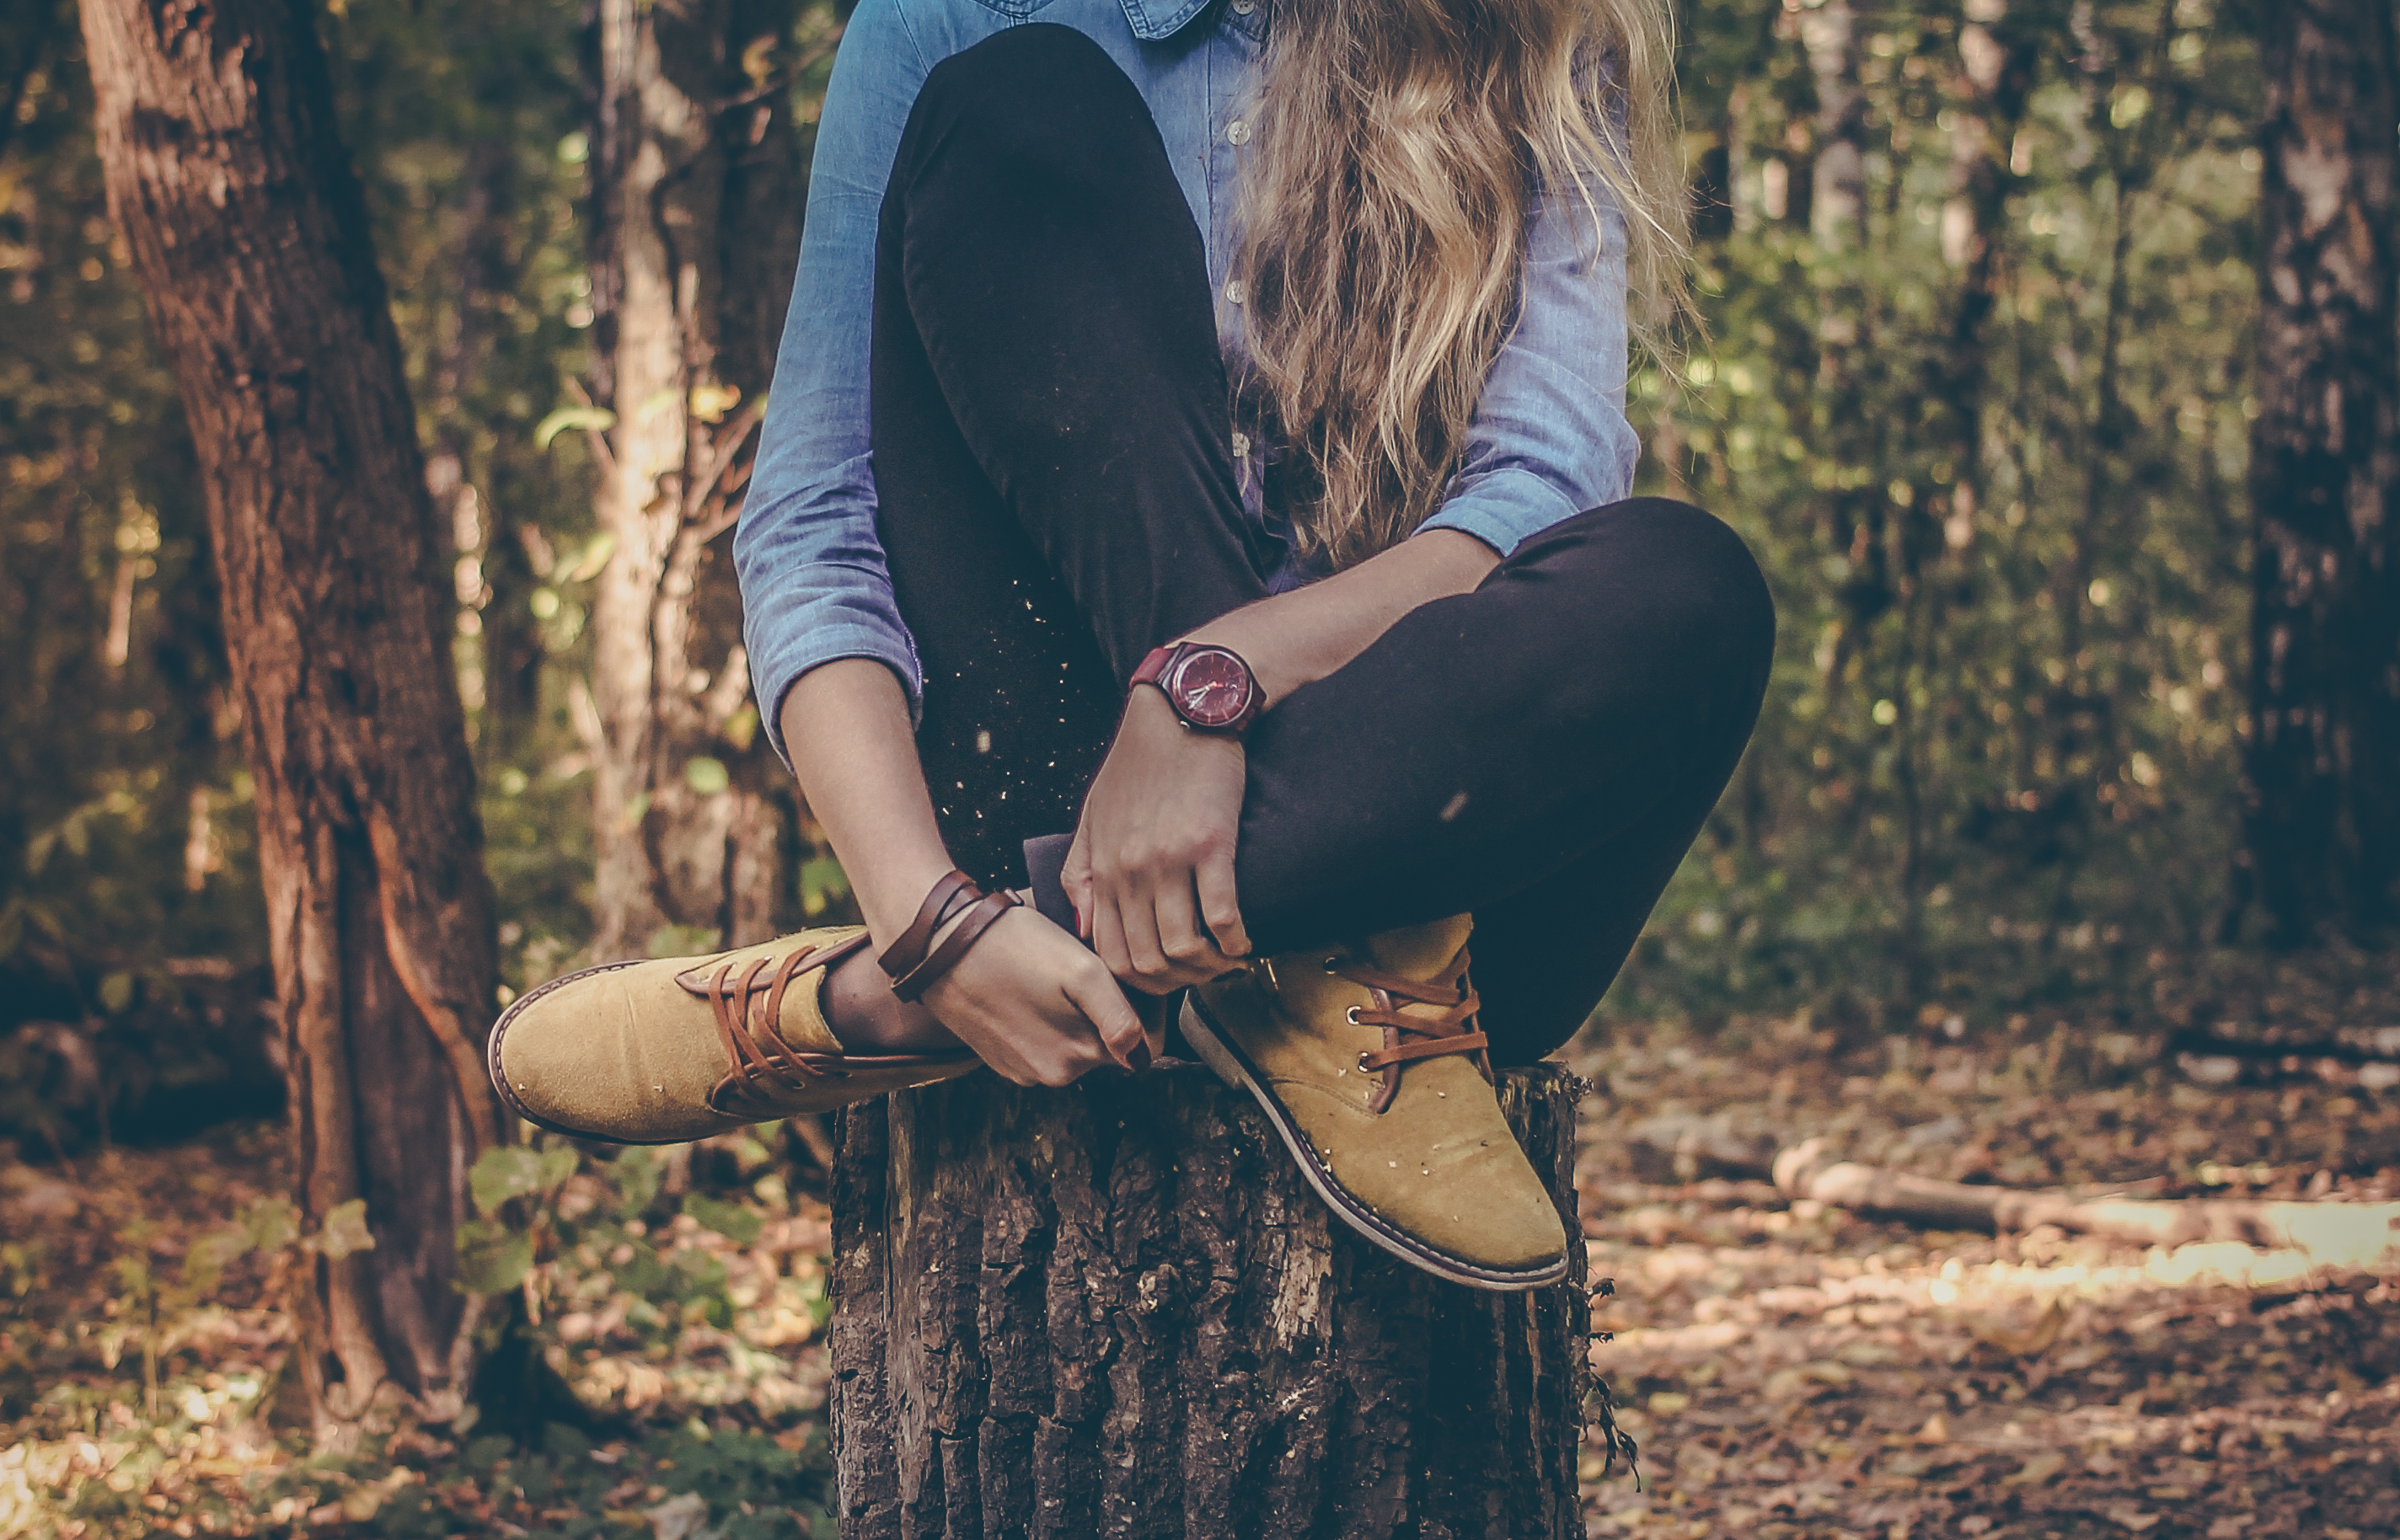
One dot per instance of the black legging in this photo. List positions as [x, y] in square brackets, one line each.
[1053, 459]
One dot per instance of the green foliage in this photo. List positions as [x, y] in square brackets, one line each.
[2000, 747]
[1999, 754]
[137, 1386]
[530, 1235]
[580, 419]
[123, 811]
[737, 1222]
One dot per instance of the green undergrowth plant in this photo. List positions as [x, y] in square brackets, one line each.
[651, 1340]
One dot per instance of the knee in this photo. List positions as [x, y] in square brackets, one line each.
[1032, 99]
[1718, 578]
[1683, 569]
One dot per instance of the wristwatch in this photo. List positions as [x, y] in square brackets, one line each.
[1210, 687]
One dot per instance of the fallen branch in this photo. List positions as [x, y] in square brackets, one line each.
[2344, 1235]
[2364, 1057]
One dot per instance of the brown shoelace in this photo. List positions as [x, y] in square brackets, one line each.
[1452, 1030]
[764, 1065]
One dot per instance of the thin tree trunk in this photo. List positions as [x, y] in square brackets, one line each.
[1119, 1310]
[2324, 771]
[1837, 204]
[1996, 79]
[695, 199]
[477, 258]
[249, 235]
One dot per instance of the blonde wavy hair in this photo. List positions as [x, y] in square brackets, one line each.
[1399, 143]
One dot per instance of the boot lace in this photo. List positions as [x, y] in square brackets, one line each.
[765, 1065]
[1451, 1029]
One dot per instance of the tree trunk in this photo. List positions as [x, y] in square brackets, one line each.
[1837, 202]
[250, 237]
[695, 215]
[1119, 1310]
[1997, 58]
[476, 259]
[2323, 836]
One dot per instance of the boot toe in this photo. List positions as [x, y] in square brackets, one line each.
[577, 1057]
[1456, 1195]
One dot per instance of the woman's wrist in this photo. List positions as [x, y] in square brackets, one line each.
[1148, 716]
[890, 890]
[1299, 637]
[846, 725]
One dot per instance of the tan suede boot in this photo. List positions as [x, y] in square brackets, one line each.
[663, 1051]
[1368, 1062]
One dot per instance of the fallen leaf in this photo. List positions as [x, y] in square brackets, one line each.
[679, 1517]
[2132, 1518]
[1784, 1384]
[1935, 1431]
[2039, 1467]
[2026, 1344]
[1666, 1403]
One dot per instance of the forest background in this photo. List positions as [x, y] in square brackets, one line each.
[1978, 376]
[2003, 754]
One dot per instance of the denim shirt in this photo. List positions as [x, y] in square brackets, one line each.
[1548, 441]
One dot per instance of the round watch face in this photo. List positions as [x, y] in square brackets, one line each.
[1210, 687]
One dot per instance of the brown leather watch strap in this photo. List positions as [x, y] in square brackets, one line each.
[953, 893]
[917, 980]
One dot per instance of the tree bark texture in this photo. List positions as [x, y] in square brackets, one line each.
[696, 193]
[2323, 836]
[1119, 1310]
[249, 235]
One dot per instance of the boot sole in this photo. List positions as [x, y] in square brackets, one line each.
[1218, 1050]
[509, 1099]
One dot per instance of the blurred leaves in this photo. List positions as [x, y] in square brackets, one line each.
[1991, 459]
[138, 1394]
[588, 418]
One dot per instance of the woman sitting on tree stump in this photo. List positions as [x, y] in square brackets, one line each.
[1201, 433]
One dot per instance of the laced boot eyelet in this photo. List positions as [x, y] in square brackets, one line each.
[1351, 1015]
[1364, 1068]
[1332, 964]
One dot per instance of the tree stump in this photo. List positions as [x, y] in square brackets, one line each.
[1119, 1310]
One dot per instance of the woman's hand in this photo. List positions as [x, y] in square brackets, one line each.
[1151, 868]
[1037, 1007]
[1027, 997]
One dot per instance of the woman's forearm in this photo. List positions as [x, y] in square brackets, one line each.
[846, 725]
[1299, 637]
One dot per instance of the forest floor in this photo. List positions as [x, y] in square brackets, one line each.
[1787, 1369]
[1793, 1369]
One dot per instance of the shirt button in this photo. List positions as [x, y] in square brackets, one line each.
[1238, 132]
[1236, 291]
[1244, 8]
[1241, 446]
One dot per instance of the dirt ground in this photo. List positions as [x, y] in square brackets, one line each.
[1788, 1370]
[1785, 1369]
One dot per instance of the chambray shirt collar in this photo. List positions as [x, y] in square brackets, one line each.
[1163, 19]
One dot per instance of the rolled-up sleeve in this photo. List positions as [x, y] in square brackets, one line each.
[814, 584]
[1549, 438]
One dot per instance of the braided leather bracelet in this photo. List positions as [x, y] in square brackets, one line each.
[911, 971]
